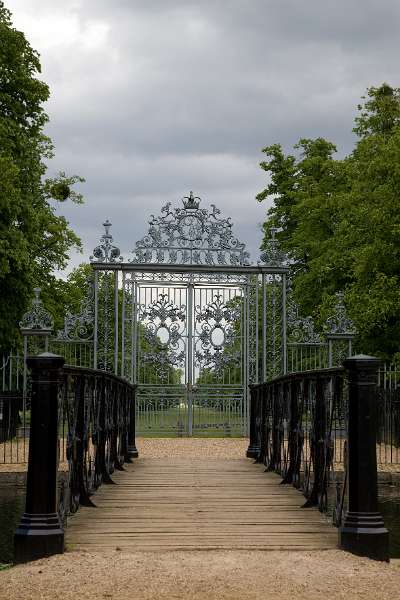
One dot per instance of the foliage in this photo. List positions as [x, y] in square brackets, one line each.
[33, 239]
[339, 221]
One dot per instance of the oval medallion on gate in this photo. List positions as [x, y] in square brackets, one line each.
[163, 335]
[217, 337]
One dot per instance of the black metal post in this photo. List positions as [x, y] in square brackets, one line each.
[132, 450]
[277, 391]
[262, 410]
[363, 531]
[40, 531]
[318, 436]
[81, 441]
[104, 432]
[293, 441]
[254, 449]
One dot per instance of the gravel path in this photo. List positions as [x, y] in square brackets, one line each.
[208, 448]
[202, 576]
[219, 575]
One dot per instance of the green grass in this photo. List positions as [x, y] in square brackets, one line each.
[171, 422]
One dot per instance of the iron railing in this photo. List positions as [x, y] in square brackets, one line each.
[388, 427]
[298, 430]
[96, 426]
[319, 431]
[13, 410]
[82, 429]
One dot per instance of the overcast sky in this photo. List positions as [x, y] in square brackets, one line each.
[153, 98]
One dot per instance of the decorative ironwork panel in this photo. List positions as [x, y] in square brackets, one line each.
[129, 323]
[219, 361]
[192, 369]
[166, 278]
[274, 314]
[75, 341]
[162, 335]
[79, 327]
[251, 319]
[162, 410]
[37, 319]
[190, 235]
[107, 321]
[219, 410]
[218, 335]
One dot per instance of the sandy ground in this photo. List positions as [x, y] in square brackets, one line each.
[219, 575]
[208, 448]
[14, 457]
[202, 575]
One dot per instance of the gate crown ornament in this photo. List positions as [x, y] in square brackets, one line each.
[191, 201]
[190, 236]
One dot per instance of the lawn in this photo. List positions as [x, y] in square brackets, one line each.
[173, 421]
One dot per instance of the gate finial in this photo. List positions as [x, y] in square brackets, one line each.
[37, 320]
[105, 252]
[272, 254]
[339, 323]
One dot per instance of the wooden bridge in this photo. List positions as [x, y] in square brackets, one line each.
[315, 431]
[195, 504]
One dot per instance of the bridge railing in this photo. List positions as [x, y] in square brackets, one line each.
[82, 429]
[318, 431]
[298, 430]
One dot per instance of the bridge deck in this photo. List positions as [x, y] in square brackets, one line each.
[175, 504]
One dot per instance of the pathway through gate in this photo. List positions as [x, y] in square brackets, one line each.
[190, 503]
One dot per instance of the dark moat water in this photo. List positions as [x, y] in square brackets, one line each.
[12, 505]
[389, 505]
[11, 508]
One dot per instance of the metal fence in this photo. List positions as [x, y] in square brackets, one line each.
[14, 413]
[388, 432]
[15, 404]
[96, 419]
[82, 429]
[299, 430]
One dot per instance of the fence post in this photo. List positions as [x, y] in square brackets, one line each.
[40, 532]
[363, 531]
[132, 450]
[293, 437]
[254, 449]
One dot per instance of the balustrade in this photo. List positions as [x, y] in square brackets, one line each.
[82, 429]
[317, 429]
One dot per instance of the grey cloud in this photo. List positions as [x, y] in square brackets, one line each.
[151, 99]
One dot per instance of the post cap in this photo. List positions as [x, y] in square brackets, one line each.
[47, 360]
[364, 360]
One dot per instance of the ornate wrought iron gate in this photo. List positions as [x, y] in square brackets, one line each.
[188, 356]
[189, 321]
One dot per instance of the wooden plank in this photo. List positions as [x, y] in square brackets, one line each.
[182, 504]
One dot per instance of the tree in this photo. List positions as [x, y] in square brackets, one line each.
[340, 224]
[33, 239]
